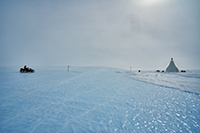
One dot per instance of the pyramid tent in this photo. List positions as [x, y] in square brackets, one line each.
[172, 67]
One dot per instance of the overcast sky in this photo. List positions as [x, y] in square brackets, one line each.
[116, 33]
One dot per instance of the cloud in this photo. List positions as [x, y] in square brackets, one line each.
[109, 33]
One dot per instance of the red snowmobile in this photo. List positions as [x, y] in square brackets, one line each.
[25, 70]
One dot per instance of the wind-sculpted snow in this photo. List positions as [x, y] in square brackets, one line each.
[92, 99]
[189, 81]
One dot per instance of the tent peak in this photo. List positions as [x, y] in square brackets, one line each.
[172, 67]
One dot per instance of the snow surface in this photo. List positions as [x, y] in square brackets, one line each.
[97, 99]
[189, 81]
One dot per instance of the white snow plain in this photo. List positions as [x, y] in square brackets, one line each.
[98, 99]
[189, 81]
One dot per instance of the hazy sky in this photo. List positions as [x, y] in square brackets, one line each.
[117, 33]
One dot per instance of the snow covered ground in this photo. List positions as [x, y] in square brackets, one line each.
[189, 81]
[98, 99]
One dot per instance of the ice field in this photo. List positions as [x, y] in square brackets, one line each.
[98, 99]
[189, 81]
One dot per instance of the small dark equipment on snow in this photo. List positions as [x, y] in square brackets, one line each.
[26, 70]
[183, 71]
